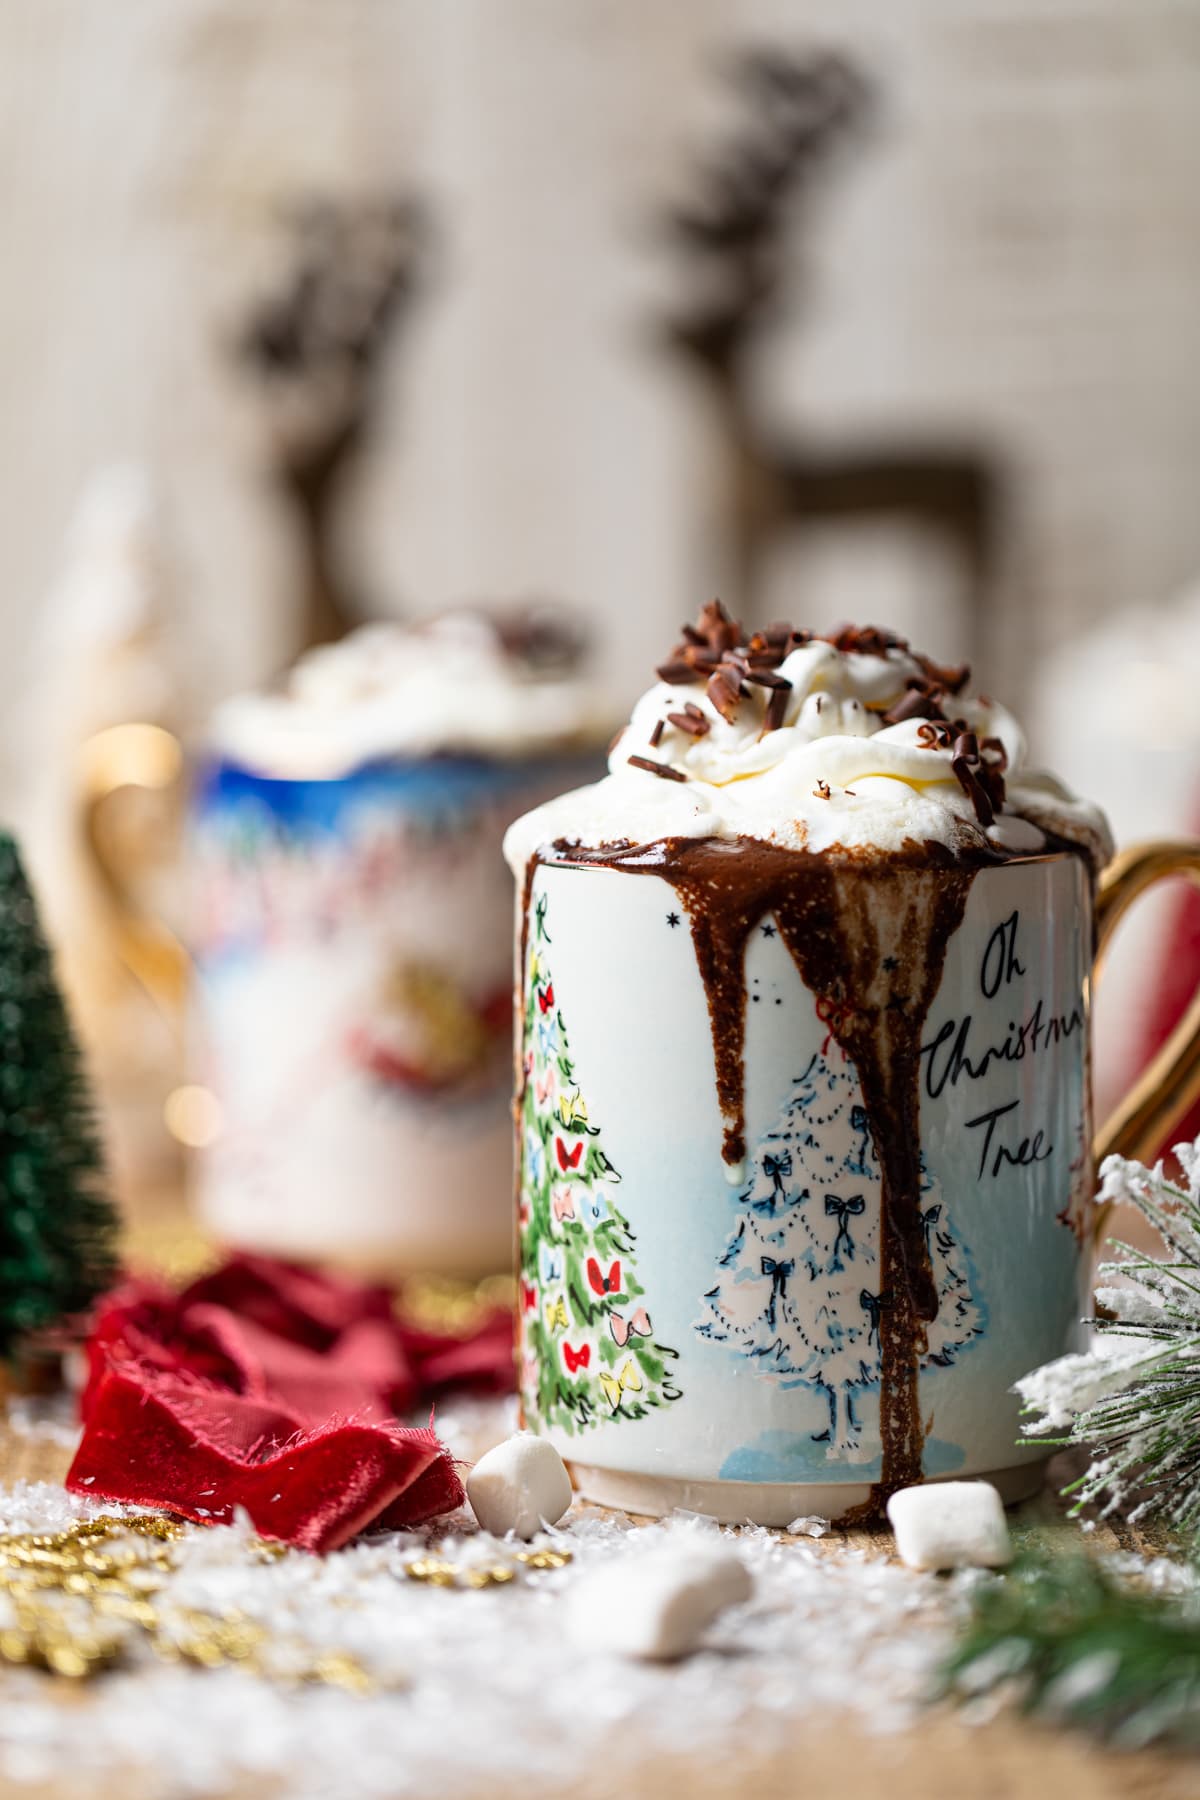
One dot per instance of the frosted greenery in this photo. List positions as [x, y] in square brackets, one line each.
[1113, 1651]
[1133, 1399]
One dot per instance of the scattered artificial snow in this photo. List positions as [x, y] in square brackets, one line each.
[46, 1421]
[479, 1684]
[811, 1525]
[44, 1506]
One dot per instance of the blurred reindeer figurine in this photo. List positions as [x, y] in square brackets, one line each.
[318, 349]
[732, 241]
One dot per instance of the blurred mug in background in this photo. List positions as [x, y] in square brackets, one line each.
[353, 940]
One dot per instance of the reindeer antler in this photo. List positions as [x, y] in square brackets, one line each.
[316, 346]
[801, 108]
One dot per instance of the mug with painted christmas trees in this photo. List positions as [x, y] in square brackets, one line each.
[803, 1123]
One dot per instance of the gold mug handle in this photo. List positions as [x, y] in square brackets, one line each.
[150, 758]
[1167, 1090]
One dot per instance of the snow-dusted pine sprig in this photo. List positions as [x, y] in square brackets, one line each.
[1134, 1397]
[1076, 1640]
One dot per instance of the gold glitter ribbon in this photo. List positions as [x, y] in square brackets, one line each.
[76, 1602]
[458, 1308]
[82, 1599]
[438, 1571]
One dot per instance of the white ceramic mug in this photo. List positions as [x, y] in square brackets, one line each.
[354, 997]
[713, 1338]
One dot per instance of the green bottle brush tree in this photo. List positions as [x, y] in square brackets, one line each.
[57, 1224]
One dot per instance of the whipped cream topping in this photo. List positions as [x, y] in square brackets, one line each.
[847, 742]
[460, 683]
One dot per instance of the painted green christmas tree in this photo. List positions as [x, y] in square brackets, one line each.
[57, 1227]
[588, 1348]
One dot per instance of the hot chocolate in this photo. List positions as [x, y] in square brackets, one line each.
[843, 795]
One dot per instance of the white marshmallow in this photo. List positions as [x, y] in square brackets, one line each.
[657, 1605]
[950, 1525]
[520, 1486]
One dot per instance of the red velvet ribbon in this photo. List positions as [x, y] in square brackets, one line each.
[275, 1389]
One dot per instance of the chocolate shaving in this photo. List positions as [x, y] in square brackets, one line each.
[691, 720]
[822, 791]
[992, 783]
[776, 711]
[539, 637]
[676, 672]
[917, 703]
[971, 786]
[762, 654]
[764, 678]
[982, 781]
[951, 676]
[660, 725]
[724, 690]
[719, 631]
[656, 768]
[867, 640]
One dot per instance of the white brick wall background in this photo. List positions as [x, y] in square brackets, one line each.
[1015, 251]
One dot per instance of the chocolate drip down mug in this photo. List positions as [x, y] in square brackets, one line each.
[803, 1130]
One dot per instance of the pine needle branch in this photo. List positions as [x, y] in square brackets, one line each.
[1074, 1644]
[1133, 1399]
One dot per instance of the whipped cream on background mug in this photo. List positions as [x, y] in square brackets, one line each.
[353, 942]
[803, 1111]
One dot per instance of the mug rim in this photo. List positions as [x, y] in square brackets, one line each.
[1023, 859]
[213, 762]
